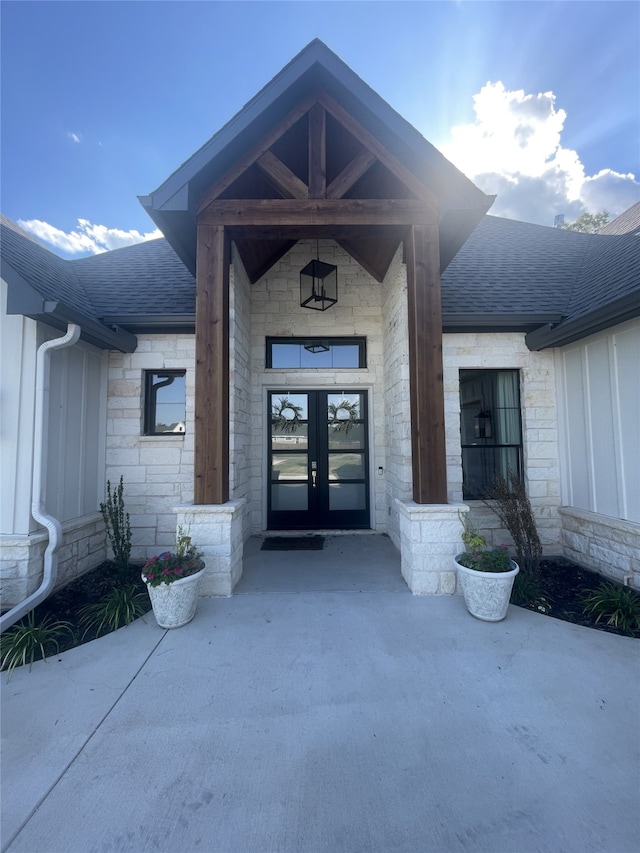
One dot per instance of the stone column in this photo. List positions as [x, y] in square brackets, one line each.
[430, 537]
[216, 530]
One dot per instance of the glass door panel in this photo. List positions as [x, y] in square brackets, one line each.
[346, 466]
[318, 460]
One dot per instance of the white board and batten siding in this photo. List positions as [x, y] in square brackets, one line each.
[600, 422]
[75, 467]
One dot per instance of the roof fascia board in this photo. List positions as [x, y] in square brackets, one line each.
[240, 122]
[153, 323]
[60, 315]
[22, 297]
[625, 308]
[497, 322]
[25, 300]
[92, 330]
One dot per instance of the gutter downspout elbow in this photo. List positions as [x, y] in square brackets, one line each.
[38, 482]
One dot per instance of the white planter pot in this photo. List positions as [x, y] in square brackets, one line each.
[174, 604]
[486, 594]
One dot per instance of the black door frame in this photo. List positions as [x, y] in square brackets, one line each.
[318, 515]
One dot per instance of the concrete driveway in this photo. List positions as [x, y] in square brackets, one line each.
[327, 721]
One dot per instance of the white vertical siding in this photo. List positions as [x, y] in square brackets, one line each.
[75, 462]
[599, 392]
[18, 345]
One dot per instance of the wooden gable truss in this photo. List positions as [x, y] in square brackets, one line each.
[317, 174]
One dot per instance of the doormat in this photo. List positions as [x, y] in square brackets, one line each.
[293, 543]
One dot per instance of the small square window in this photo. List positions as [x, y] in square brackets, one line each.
[165, 402]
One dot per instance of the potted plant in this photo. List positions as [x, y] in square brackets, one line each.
[486, 577]
[173, 582]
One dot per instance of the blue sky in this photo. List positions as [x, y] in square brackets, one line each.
[101, 101]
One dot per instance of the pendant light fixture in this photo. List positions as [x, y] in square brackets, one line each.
[318, 284]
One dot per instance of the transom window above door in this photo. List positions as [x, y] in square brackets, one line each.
[309, 353]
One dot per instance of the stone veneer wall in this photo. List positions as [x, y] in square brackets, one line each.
[157, 470]
[240, 451]
[610, 546]
[398, 474]
[276, 311]
[539, 425]
[21, 565]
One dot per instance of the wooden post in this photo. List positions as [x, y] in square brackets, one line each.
[425, 365]
[317, 152]
[211, 462]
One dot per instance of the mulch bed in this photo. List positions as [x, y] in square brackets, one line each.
[65, 604]
[564, 586]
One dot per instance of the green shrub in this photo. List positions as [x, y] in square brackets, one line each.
[527, 592]
[118, 527]
[619, 605]
[28, 641]
[117, 608]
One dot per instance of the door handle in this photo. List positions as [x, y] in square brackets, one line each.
[314, 474]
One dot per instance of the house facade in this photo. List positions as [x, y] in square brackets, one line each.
[235, 396]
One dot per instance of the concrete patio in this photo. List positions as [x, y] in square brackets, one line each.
[332, 711]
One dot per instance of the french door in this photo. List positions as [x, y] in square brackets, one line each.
[318, 468]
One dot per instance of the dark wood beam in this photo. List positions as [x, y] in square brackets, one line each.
[425, 365]
[317, 152]
[211, 458]
[312, 232]
[414, 184]
[350, 174]
[250, 157]
[281, 177]
[284, 211]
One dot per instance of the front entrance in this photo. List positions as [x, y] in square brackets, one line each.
[318, 460]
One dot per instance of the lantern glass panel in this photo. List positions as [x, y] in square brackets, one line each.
[318, 285]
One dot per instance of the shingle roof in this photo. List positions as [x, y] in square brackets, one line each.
[506, 268]
[627, 223]
[51, 276]
[147, 278]
[610, 271]
[513, 267]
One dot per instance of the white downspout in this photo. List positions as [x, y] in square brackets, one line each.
[38, 483]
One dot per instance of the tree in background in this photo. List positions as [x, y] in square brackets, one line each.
[589, 223]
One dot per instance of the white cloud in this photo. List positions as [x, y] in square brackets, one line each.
[74, 137]
[87, 238]
[514, 149]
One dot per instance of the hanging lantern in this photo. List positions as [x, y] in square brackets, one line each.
[316, 346]
[318, 285]
[482, 424]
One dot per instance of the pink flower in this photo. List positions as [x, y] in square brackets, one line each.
[149, 577]
[504, 547]
[178, 570]
[166, 571]
[149, 562]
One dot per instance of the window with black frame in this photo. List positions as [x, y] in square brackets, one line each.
[490, 427]
[322, 353]
[165, 402]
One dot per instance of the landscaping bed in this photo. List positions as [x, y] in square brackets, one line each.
[563, 588]
[66, 606]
